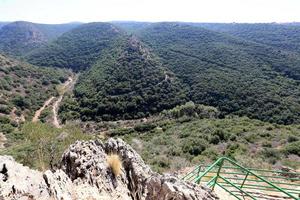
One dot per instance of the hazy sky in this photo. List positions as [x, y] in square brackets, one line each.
[59, 11]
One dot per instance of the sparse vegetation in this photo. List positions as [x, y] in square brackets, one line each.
[41, 145]
[22, 88]
[182, 143]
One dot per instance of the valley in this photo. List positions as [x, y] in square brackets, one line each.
[179, 93]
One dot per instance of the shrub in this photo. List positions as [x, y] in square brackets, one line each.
[160, 163]
[215, 139]
[21, 102]
[144, 127]
[292, 138]
[4, 109]
[293, 148]
[194, 146]
[115, 164]
[190, 109]
[120, 132]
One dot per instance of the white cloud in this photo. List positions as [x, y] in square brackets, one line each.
[57, 11]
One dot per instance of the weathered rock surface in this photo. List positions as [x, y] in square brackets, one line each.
[84, 174]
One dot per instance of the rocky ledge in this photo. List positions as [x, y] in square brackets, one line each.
[85, 174]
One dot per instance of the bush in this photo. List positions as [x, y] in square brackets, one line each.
[293, 148]
[194, 146]
[190, 109]
[292, 138]
[144, 127]
[21, 102]
[121, 131]
[160, 163]
[215, 139]
[4, 109]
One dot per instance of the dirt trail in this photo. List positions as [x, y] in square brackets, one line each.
[39, 111]
[2, 140]
[55, 109]
[62, 90]
[65, 87]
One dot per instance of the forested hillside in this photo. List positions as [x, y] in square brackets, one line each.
[126, 82]
[23, 90]
[234, 75]
[131, 26]
[79, 48]
[241, 82]
[19, 38]
[285, 37]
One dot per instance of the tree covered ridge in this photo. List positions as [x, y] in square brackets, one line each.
[127, 82]
[285, 37]
[234, 75]
[19, 38]
[77, 49]
[162, 65]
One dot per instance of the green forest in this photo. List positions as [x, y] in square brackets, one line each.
[179, 93]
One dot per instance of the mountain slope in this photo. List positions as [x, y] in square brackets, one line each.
[78, 48]
[19, 38]
[234, 75]
[126, 82]
[24, 88]
[131, 26]
[285, 37]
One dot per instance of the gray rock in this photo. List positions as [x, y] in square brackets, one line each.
[84, 174]
[20, 182]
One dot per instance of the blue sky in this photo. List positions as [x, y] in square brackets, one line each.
[60, 11]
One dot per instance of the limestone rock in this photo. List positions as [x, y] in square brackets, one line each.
[20, 182]
[84, 174]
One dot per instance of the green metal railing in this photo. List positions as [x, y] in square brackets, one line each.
[247, 183]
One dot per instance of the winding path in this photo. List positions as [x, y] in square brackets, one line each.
[39, 111]
[64, 88]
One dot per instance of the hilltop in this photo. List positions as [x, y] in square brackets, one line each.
[18, 38]
[284, 37]
[126, 82]
[79, 48]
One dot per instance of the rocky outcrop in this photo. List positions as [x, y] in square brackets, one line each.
[84, 174]
[19, 182]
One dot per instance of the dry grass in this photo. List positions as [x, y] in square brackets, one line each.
[115, 164]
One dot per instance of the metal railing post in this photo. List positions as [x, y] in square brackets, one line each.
[218, 174]
[245, 179]
[198, 174]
